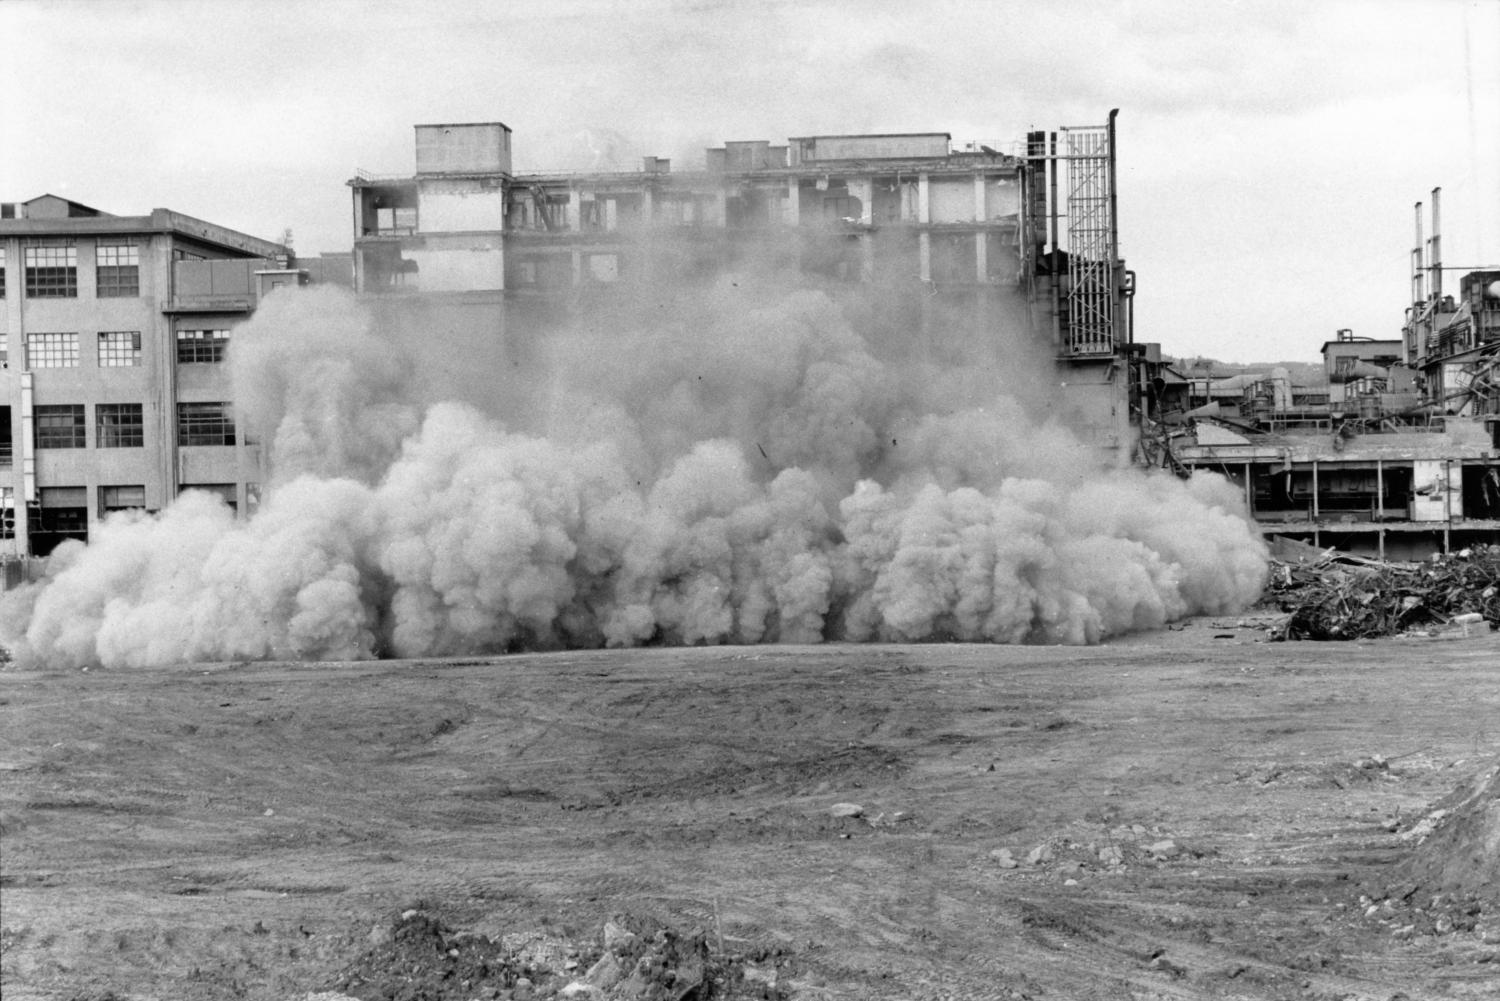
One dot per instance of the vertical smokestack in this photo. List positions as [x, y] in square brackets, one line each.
[1418, 293]
[1435, 259]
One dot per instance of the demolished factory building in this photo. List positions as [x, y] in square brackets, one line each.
[116, 327]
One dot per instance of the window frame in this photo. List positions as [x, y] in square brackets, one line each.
[205, 424]
[72, 433]
[119, 278]
[109, 354]
[58, 349]
[51, 271]
[121, 432]
[105, 505]
[202, 349]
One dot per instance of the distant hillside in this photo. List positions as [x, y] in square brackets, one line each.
[1303, 373]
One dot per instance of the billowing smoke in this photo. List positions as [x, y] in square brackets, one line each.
[734, 465]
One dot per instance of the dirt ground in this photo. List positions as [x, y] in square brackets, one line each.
[1195, 813]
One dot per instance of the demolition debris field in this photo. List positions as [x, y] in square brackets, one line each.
[1195, 813]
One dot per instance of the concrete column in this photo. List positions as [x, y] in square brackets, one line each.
[793, 203]
[575, 210]
[981, 245]
[924, 256]
[924, 198]
[863, 188]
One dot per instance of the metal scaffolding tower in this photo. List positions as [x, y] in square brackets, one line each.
[1092, 254]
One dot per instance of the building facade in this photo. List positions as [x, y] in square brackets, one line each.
[114, 331]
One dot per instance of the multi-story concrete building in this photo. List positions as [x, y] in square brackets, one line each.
[112, 337]
[950, 230]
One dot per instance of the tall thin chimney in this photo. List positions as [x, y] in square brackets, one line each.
[1418, 294]
[1435, 259]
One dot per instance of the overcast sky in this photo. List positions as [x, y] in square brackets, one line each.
[1270, 152]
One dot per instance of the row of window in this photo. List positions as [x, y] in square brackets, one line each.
[52, 272]
[117, 348]
[122, 425]
[64, 510]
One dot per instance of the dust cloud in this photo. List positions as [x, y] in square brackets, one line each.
[731, 462]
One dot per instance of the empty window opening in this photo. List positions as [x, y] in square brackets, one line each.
[119, 348]
[63, 513]
[119, 425]
[60, 426]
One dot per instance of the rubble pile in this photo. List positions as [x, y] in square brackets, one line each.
[415, 957]
[1335, 596]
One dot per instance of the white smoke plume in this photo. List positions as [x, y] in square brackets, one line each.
[733, 465]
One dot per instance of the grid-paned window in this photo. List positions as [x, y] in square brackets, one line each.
[60, 425]
[52, 272]
[201, 346]
[119, 271]
[2, 272]
[52, 350]
[7, 512]
[205, 424]
[119, 348]
[121, 498]
[119, 425]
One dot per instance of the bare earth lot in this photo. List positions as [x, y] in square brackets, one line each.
[1211, 809]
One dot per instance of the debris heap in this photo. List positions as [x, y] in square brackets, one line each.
[417, 957]
[1336, 596]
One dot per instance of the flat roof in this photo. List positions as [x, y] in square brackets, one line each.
[159, 221]
[460, 125]
[876, 135]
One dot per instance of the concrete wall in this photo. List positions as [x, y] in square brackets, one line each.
[460, 206]
[809, 149]
[951, 199]
[459, 264]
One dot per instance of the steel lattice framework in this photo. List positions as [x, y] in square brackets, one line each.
[1091, 266]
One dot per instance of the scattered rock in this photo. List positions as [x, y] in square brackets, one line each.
[846, 810]
[1004, 858]
[618, 938]
[1041, 853]
[1164, 849]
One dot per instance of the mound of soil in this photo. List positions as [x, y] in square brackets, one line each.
[1461, 854]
